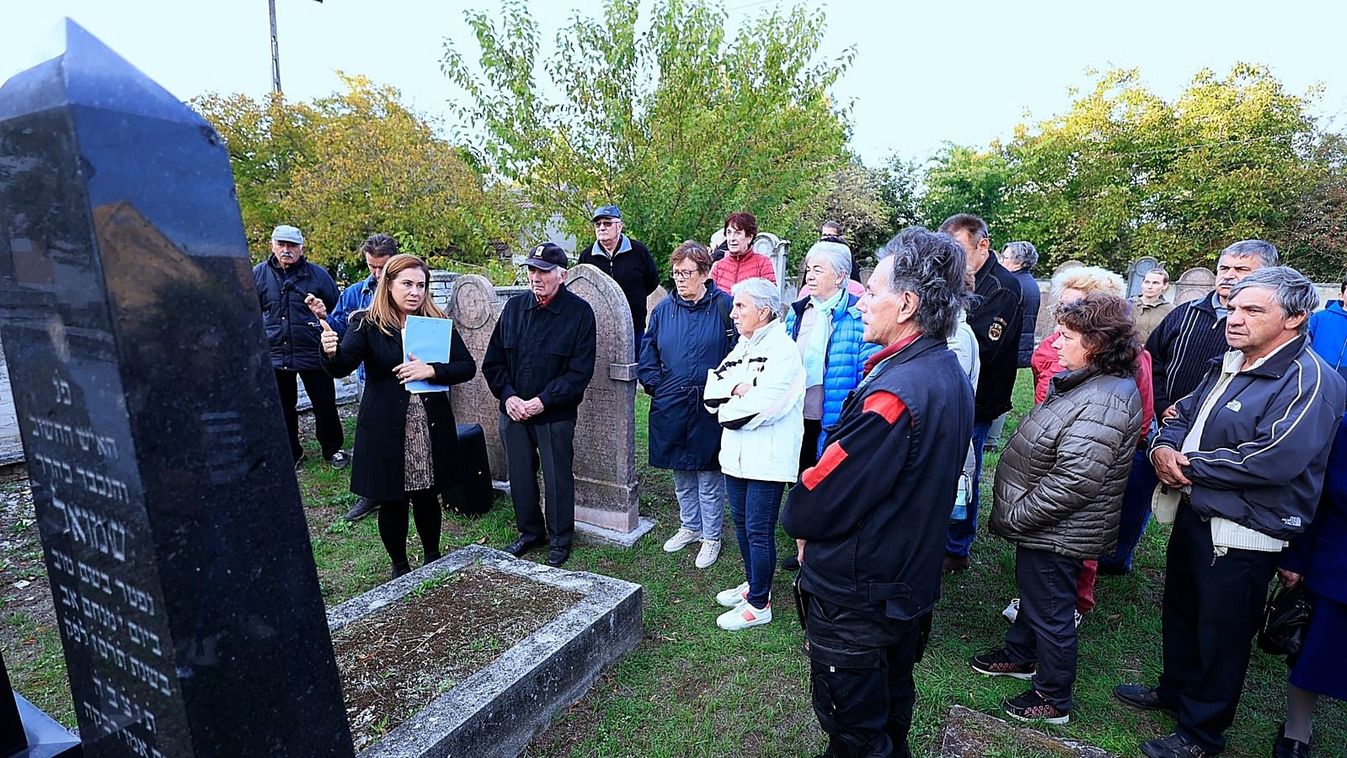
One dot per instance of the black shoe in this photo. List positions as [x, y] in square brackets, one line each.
[955, 563]
[339, 460]
[1109, 569]
[400, 569]
[997, 663]
[1174, 746]
[522, 545]
[1030, 706]
[558, 556]
[1285, 747]
[428, 558]
[1144, 698]
[362, 508]
[790, 563]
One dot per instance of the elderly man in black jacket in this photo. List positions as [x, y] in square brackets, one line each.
[292, 292]
[1247, 451]
[538, 363]
[872, 512]
[624, 259]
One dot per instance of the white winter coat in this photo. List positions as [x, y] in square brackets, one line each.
[762, 428]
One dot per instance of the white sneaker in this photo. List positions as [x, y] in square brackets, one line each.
[733, 596]
[708, 554]
[1012, 611]
[743, 616]
[680, 540]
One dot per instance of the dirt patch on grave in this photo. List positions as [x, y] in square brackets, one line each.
[396, 660]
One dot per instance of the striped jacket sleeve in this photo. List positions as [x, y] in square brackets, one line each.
[1292, 429]
[835, 494]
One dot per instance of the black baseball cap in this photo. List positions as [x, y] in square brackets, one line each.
[546, 257]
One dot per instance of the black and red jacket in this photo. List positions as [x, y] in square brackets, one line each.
[875, 508]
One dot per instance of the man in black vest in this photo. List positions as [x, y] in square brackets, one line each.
[624, 259]
[996, 315]
[872, 512]
[538, 363]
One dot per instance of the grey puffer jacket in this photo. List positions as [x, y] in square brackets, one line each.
[1059, 484]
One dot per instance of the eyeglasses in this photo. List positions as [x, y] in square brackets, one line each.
[604, 224]
[682, 274]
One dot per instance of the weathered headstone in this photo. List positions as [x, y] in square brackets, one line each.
[170, 518]
[655, 298]
[475, 309]
[1194, 283]
[1136, 272]
[605, 435]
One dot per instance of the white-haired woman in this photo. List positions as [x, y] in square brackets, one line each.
[757, 394]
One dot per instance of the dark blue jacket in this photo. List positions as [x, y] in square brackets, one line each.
[875, 508]
[1261, 459]
[292, 329]
[843, 362]
[1320, 554]
[1032, 295]
[682, 342]
[1328, 335]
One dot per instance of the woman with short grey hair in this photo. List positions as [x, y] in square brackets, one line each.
[757, 394]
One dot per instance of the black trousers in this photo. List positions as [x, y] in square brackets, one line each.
[1211, 610]
[860, 669]
[1044, 632]
[553, 446]
[323, 394]
[809, 443]
[425, 508]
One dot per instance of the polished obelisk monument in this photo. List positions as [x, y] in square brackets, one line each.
[170, 518]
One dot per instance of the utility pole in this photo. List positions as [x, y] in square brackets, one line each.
[275, 51]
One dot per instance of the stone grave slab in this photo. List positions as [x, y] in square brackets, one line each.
[475, 309]
[496, 711]
[966, 733]
[171, 523]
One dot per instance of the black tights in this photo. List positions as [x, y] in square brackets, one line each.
[425, 507]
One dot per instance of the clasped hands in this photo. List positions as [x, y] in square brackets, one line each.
[1169, 464]
[522, 410]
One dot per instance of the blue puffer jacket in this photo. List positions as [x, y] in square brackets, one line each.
[292, 329]
[1328, 335]
[843, 364]
[683, 341]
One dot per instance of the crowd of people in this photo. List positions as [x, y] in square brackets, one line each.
[857, 417]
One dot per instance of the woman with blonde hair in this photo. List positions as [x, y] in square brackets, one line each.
[405, 443]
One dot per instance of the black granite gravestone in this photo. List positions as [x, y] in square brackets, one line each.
[170, 518]
[27, 732]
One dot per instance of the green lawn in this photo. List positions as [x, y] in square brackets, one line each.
[690, 689]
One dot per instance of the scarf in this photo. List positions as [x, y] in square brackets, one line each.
[816, 352]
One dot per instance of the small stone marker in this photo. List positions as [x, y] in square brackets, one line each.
[966, 732]
[1194, 283]
[171, 522]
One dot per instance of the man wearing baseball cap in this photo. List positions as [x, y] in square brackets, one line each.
[624, 259]
[292, 292]
[538, 363]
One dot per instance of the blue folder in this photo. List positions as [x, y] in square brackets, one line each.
[429, 340]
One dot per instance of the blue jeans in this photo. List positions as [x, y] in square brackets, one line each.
[754, 506]
[701, 501]
[1136, 511]
[959, 539]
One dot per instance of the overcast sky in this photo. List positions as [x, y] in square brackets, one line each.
[924, 73]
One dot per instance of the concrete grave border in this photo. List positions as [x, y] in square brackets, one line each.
[496, 711]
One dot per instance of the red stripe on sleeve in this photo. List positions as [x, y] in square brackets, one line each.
[886, 404]
[832, 458]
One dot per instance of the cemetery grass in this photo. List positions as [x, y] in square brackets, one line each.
[690, 689]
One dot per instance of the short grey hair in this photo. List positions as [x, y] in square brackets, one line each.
[930, 265]
[1295, 293]
[835, 254]
[1265, 252]
[761, 292]
[1023, 253]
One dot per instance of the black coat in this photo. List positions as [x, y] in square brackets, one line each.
[1031, 296]
[996, 317]
[381, 429]
[543, 352]
[633, 269]
[292, 330]
[684, 341]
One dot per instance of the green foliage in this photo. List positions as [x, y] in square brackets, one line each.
[352, 164]
[679, 125]
[1125, 173]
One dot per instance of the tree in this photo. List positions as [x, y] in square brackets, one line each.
[965, 180]
[678, 125]
[356, 163]
[858, 202]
